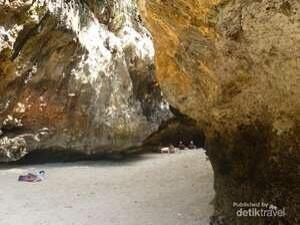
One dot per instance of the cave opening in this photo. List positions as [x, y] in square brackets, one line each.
[178, 129]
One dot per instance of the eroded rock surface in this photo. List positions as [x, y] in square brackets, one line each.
[234, 67]
[75, 75]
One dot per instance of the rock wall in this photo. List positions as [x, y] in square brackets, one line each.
[233, 65]
[77, 76]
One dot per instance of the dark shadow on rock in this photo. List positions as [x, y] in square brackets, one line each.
[63, 159]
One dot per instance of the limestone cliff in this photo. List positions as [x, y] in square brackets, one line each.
[77, 76]
[233, 65]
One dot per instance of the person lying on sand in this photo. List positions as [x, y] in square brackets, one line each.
[170, 149]
[30, 177]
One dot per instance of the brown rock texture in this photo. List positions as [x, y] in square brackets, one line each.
[76, 76]
[233, 65]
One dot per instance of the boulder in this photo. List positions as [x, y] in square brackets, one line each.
[81, 70]
[233, 66]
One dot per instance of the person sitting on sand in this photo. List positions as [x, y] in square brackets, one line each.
[181, 146]
[30, 177]
[192, 145]
[172, 148]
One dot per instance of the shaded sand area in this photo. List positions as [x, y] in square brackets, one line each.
[150, 189]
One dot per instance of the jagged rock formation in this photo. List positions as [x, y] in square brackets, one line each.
[234, 67]
[75, 76]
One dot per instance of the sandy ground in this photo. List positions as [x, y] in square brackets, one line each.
[150, 189]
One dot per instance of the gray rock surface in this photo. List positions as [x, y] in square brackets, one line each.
[81, 70]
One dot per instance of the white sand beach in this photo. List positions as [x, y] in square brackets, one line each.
[149, 189]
